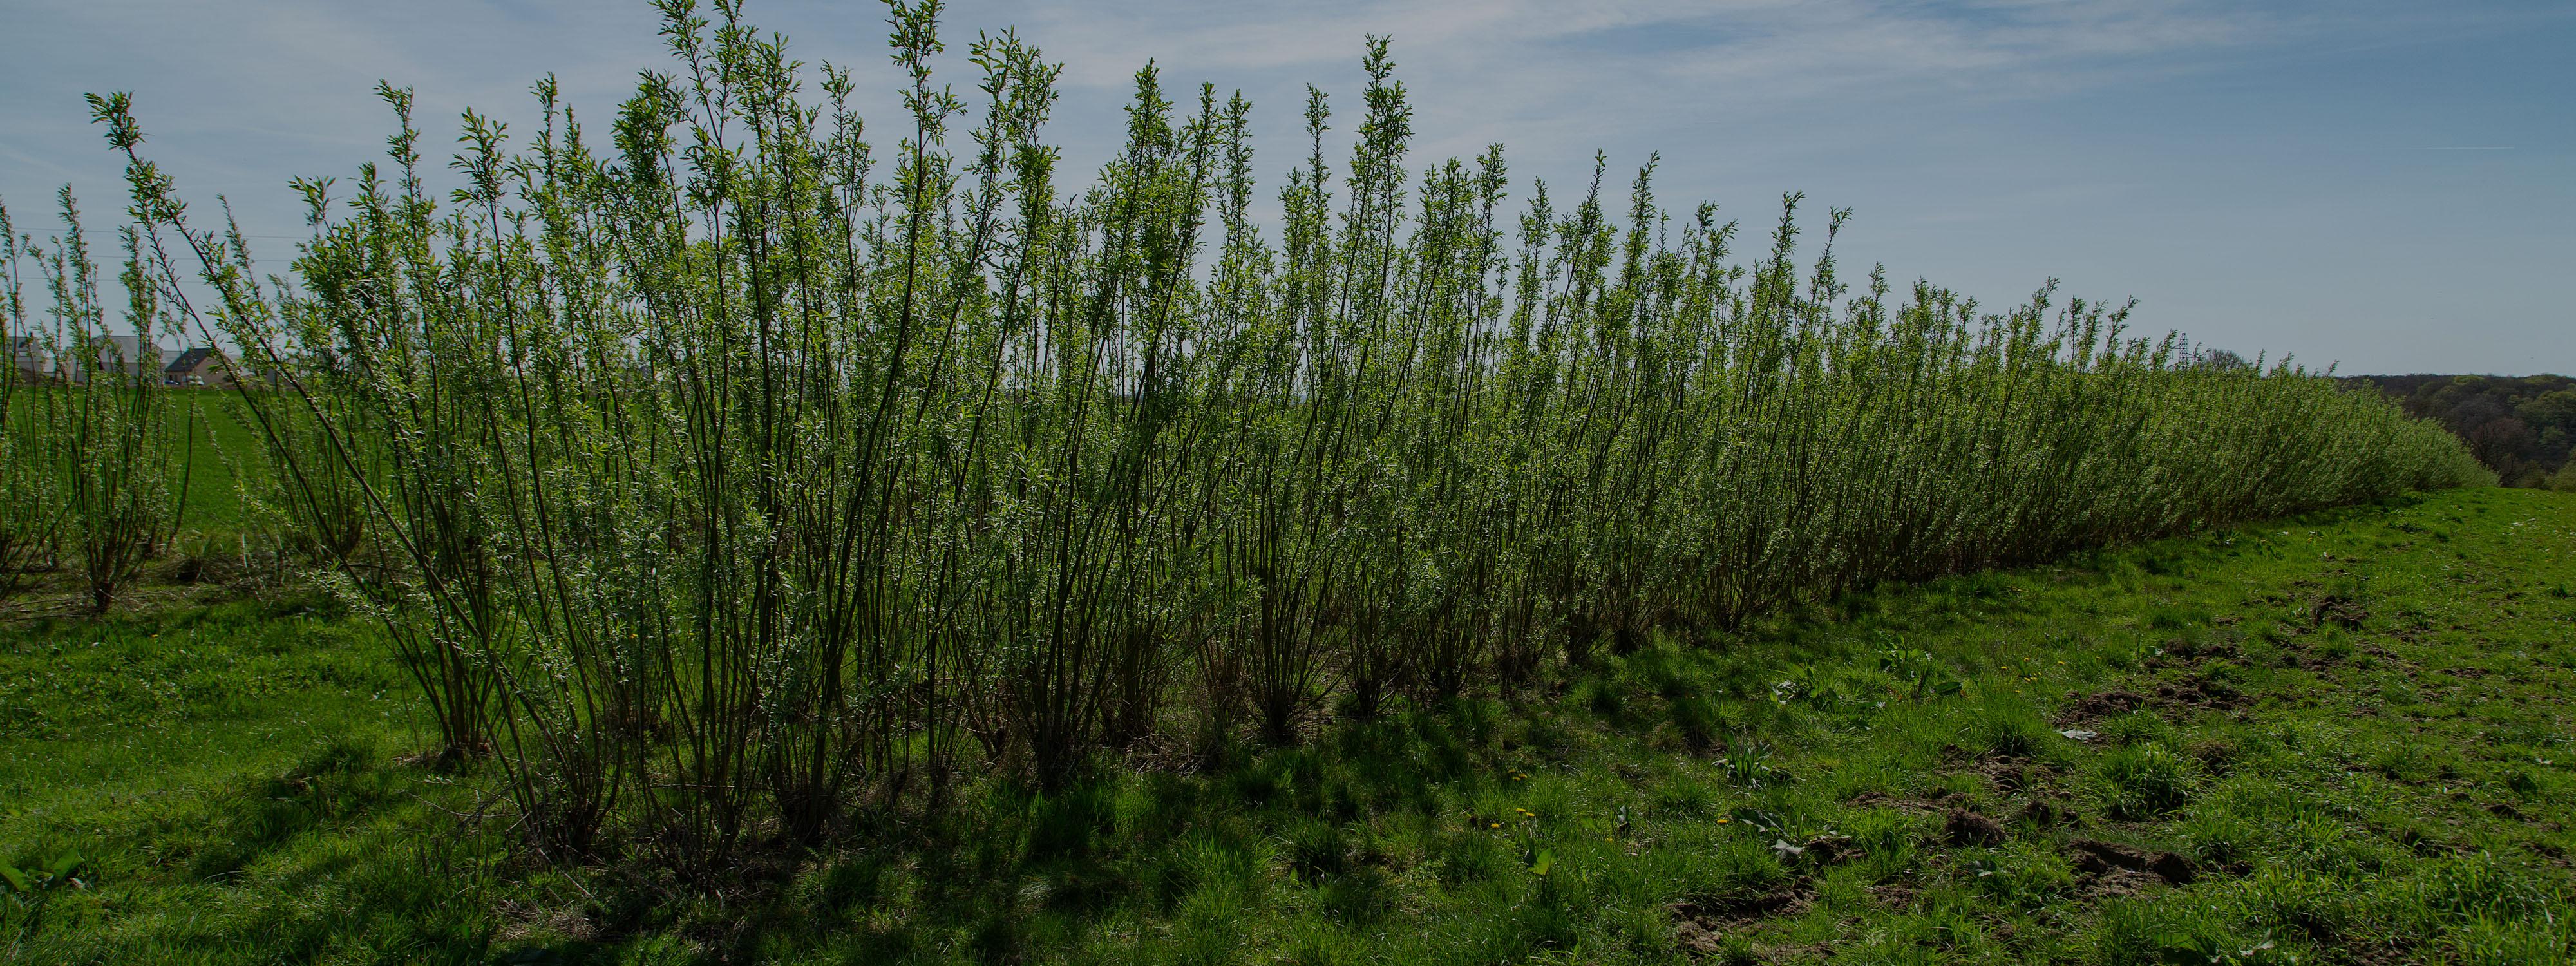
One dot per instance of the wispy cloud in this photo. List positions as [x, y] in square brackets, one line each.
[1987, 141]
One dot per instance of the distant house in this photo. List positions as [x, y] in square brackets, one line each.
[32, 361]
[129, 354]
[201, 366]
[27, 359]
[109, 353]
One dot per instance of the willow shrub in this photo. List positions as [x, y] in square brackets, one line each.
[30, 518]
[730, 475]
[87, 440]
[301, 488]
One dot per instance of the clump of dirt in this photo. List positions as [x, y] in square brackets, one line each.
[2098, 705]
[2338, 610]
[2104, 859]
[2046, 813]
[2196, 691]
[1894, 894]
[1963, 827]
[1820, 850]
[1940, 802]
[2297, 654]
[2114, 883]
[1701, 925]
[2202, 650]
[2014, 774]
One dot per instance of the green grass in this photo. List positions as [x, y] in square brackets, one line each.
[2340, 738]
[224, 449]
[212, 446]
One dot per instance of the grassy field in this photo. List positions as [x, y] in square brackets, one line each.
[208, 433]
[223, 448]
[2340, 738]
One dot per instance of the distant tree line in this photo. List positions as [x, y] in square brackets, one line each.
[2522, 428]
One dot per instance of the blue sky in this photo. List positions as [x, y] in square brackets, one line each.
[2390, 186]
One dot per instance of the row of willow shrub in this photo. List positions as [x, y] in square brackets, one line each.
[729, 477]
[90, 449]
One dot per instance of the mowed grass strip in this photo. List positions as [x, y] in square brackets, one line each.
[2339, 738]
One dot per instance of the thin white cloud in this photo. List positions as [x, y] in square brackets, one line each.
[1936, 117]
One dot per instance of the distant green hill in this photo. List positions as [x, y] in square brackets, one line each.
[2521, 427]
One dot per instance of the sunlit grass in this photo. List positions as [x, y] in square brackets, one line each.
[240, 794]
